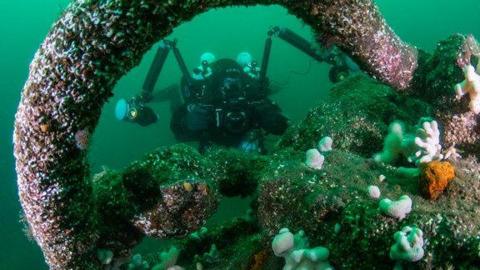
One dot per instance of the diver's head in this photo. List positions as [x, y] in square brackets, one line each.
[244, 59]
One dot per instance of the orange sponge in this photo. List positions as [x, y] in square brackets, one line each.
[259, 260]
[435, 178]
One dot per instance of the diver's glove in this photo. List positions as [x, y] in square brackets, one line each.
[197, 117]
[270, 118]
[252, 143]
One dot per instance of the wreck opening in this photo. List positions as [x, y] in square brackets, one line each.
[297, 80]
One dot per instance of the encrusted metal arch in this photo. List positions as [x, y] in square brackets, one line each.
[88, 49]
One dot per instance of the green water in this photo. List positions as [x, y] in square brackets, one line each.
[24, 24]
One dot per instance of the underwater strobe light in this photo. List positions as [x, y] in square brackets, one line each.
[135, 111]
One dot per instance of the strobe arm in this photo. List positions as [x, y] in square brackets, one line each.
[298, 42]
[157, 66]
[266, 58]
[291, 38]
[154, 71]
[135, 109]
[181, 64]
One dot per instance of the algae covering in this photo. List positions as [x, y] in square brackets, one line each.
[332, 206]
[351, 211]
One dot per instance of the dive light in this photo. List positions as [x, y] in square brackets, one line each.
[135, 111]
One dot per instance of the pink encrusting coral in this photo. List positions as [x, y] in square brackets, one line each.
[82, 138]
[357, 27]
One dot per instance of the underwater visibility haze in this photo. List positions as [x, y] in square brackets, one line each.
[224, 134]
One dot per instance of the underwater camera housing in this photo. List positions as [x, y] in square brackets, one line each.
[135, 111]
[231, 86]
[232, 112]
[233, 117]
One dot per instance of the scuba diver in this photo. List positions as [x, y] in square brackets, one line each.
[223, 101]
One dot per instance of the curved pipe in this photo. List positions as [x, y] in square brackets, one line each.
[73, 73]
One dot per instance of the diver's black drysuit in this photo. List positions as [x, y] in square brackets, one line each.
[226, 108]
